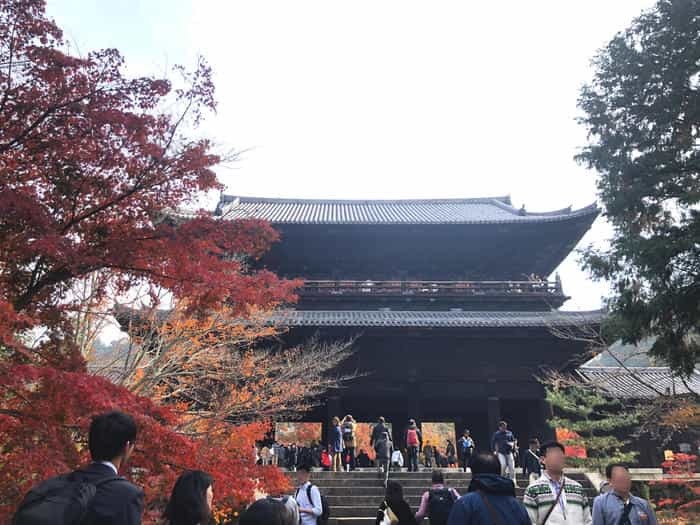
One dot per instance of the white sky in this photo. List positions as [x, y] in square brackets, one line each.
[383, 99]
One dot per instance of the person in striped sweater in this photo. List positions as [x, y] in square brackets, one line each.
[554, 499]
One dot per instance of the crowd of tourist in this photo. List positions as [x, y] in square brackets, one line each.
[97, 494]
[342, 453]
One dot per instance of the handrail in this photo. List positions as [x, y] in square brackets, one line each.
[460, 288]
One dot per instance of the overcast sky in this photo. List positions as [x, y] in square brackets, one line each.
[383, 99]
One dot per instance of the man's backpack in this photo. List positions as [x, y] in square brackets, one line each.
[412, 437]
[325, 509]
[440, 503]
[63, 500]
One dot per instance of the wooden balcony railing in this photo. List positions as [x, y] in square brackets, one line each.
[431, 288]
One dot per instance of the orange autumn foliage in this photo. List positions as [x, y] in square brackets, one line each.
[223, 367]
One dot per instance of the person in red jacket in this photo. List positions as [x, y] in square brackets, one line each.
[414, 442]
[325, 459]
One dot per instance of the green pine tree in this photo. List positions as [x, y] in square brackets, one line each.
[642, 114]
[600, 422]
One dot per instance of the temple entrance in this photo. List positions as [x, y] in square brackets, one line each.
[525, 417]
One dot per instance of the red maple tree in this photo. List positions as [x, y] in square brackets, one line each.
[91, 166]
[44, 418]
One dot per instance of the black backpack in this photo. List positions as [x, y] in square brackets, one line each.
[325, 509]
[440, 503]
[63, 500]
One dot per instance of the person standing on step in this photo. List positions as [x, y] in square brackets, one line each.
[363, 460]
[275, 453]
[336, 442]
[326, 459]
[316, 450]
[379, 429]
[396, 460]
[292, 457]
[618, 506]
[429, 454]
[532, 468]
[465, 448]
[414, 441]
[394, 510]
[266, 455]
[451, 454]
[437, 502]
[490, 499]
[502, 444]
[308, 497]
[349, 428]
[555, 499]
[383, 449]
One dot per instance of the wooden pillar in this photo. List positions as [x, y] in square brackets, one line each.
[460, 425]
[333, 408]
[414, 406]
[493, 405]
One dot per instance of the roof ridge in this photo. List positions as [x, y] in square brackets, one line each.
[474, 210]
[549, 313]
[621, 369]
[503, 199]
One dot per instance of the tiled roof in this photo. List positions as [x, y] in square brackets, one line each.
[629, 383]
[455, 319]
[427, 211]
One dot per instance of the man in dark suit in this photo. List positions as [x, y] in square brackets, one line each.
[111, 442]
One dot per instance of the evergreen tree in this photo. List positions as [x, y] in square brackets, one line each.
[597, 421]
[642, 113]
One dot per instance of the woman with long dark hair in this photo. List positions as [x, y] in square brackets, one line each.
[190, 501]
[270, 511]
[394, 509]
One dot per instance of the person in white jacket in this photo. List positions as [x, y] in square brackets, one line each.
[555, 499]
[396, 460]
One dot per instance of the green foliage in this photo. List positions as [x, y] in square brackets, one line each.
[597, 420]
[642, 113]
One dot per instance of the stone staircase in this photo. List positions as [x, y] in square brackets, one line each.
[355, 496]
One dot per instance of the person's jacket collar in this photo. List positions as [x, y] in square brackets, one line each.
[492, 484]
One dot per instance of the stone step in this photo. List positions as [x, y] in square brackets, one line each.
[351, 521]
[398, 477]
[380, 483]
[362, 475]
[355, 496]
[374, 499]
[362, 492]
[424, 473]
[364, 511]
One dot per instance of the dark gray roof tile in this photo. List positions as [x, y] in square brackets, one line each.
[629, 382]
[466, 319]
[409, 211]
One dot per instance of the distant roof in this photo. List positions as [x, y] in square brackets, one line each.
[454, 319]
[496, 210]
[630, 383]
[630, 355]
